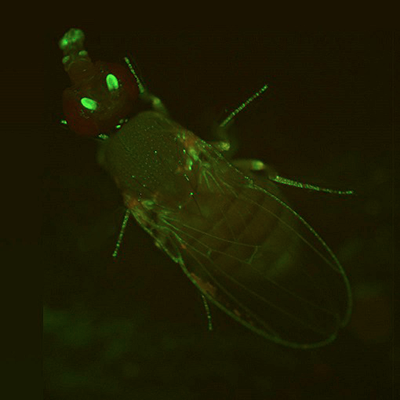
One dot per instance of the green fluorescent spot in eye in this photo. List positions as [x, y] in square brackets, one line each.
[88, 103]
[112, 82]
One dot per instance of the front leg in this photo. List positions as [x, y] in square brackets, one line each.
[145, 95]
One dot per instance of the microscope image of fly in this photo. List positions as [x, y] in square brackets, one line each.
[231, 231]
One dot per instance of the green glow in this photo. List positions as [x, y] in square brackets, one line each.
[121, 233]
[72, 39]
[148, 203]
[242, 106]
[63, 43]
[194, 154]
[89, 103]
[208, 312]
[138, 81]
[112, 82]
[224, 145]
[290, 182]
[257, 165]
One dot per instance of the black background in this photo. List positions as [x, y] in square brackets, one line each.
[136, 328]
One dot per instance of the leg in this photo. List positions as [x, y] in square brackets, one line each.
[121, 233]
[226, 140]
[301, 185]
[144, 93]
[208, 312]
[233, 114]
[248, 167]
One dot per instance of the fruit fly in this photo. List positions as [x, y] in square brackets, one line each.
[233, 234]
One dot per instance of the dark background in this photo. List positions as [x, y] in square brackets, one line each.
[136, 328]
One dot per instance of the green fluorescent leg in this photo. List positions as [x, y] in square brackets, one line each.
[138, 79]
[248, 165]
[121, 233]
[228, 145]
[145, 94]
[290, 182]
[242, 106]
[208, 312]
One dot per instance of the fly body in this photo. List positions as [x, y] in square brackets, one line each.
[236, 239]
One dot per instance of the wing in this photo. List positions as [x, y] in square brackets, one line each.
[255, 258]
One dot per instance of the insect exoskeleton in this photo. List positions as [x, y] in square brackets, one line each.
[239, 243]
[235, 237]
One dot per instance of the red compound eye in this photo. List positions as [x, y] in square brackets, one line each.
[126, 79]
[95, 103]
[78, 117]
